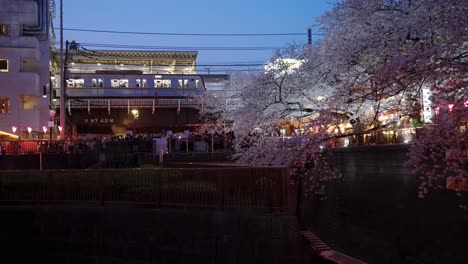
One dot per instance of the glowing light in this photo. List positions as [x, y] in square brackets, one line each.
[380, 117]
[407, 141]
[466, 103]
[135, 113]
[13, 128]
[29, 129]
[44, 128]
[2, 133]
[450, 106]
[436, 110]
[60, 128]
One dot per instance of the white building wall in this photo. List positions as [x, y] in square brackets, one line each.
[28, 59]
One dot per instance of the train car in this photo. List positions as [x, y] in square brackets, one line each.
[133, 84]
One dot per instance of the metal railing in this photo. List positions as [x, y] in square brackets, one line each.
[124, 103]
[218, 188]
[129, 92]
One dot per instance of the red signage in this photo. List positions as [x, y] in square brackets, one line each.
[457, 183]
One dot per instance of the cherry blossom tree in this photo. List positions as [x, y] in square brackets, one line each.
[375, 57]
[256, 105]
[381, 52]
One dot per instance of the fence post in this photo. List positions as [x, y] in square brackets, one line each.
[220, 189]
[102, 187]
[289, 197]
[40, 160]
[161, 157]
[157, 188]
[50, 186]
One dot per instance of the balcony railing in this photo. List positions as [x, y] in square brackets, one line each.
[126, 103]
[130, 92]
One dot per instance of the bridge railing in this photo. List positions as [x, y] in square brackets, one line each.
[267, 189]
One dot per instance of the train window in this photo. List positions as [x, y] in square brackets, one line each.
[115, 83]
[162, 83]
[183, 83]
[138, 83]
[122, 83]
[96, 82]
[197, 83]
[75, 82]
[145, 83]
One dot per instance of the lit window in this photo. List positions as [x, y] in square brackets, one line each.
[4, 30]
[162, 83]
[3, 65]
[73, 83]
[123, 83]
[4, 105]
[183, 83]
[115, 83]
[119, 83]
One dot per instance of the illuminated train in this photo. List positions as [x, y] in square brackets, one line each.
[133, 84]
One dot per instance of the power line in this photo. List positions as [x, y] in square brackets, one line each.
[189, 34]
[144, 47]
[178, 48]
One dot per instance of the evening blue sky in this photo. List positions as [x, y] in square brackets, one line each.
[190, 16]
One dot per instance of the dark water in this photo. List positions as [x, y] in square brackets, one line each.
[80, 234]
[376, 215]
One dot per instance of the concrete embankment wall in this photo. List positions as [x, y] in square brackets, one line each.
[84, 234]
[375, 214]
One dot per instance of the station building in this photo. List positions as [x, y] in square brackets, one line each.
[107, 92]
[119, 92]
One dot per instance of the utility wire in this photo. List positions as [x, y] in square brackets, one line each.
[189, 34]
[143, 47]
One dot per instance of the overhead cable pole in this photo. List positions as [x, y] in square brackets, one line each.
[309, 36]
[62, 78]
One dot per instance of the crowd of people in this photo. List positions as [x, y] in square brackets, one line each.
[179, 142]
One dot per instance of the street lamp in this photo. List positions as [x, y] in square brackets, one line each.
[29, 132]
[135, 116]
